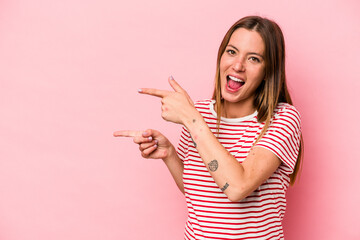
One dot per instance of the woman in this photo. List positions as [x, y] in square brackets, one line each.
[239, 151]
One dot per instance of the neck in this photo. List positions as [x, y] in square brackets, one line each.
[238, 109]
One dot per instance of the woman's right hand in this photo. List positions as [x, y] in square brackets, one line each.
[152, 143]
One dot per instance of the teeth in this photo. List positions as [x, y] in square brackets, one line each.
[235, 79]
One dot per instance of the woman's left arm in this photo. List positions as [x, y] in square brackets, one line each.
[236, 180]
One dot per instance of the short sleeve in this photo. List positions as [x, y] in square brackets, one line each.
[183, 145]
[284, 135]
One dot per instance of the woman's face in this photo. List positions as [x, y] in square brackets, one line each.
[242, 67]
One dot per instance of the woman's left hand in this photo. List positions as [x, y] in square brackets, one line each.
[176, 106]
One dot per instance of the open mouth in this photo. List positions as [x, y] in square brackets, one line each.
[234, 83]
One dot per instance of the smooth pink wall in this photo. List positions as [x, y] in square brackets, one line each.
[69, 74]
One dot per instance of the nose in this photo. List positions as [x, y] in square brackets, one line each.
[239, 65]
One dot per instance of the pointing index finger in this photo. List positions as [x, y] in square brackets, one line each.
[127, 133]
[154, 92]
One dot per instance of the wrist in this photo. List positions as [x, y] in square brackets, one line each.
[170, 153]
[192, 116]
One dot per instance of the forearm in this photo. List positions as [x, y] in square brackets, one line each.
[176, 167]
[226, 171]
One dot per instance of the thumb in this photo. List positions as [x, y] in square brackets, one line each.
[175, 85]
[151, 132]
[179, 89]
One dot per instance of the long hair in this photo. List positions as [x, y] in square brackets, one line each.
[273, 89]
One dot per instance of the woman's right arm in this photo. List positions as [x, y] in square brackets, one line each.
[155, 145]
[176, 168]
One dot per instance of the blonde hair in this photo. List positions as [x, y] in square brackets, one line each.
[273, 89]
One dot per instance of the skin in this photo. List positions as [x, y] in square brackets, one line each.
[236, 180]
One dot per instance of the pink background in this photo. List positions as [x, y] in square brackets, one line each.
[70, 71]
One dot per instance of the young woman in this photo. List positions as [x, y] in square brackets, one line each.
[240, 150]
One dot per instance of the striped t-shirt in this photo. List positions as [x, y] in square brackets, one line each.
[211, 215]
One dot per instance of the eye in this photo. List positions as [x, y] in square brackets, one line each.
[254, 59]
[231, 52]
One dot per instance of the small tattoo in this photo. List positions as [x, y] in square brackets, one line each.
[213, 165]
[225, 187]
[193, 141]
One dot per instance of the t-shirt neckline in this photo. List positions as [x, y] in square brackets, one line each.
[224, 119]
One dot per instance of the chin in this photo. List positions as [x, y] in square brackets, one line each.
[231, 98]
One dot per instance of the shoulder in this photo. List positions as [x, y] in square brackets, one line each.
[283, 136]
[287, 114]
[286, 108]
[203, 103]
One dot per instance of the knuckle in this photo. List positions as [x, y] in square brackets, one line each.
[163, 115]
[149, 131]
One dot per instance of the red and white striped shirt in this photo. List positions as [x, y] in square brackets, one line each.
[211, 215]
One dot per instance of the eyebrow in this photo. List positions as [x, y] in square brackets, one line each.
[250, 53]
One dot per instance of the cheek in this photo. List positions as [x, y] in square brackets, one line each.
[262, 72]
[222, 78]
[224, 64]
[221, 69]
[258, 74]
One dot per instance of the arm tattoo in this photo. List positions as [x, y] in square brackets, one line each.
[191, 136]
[213, 165]
[193, 141]
[225, 187]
